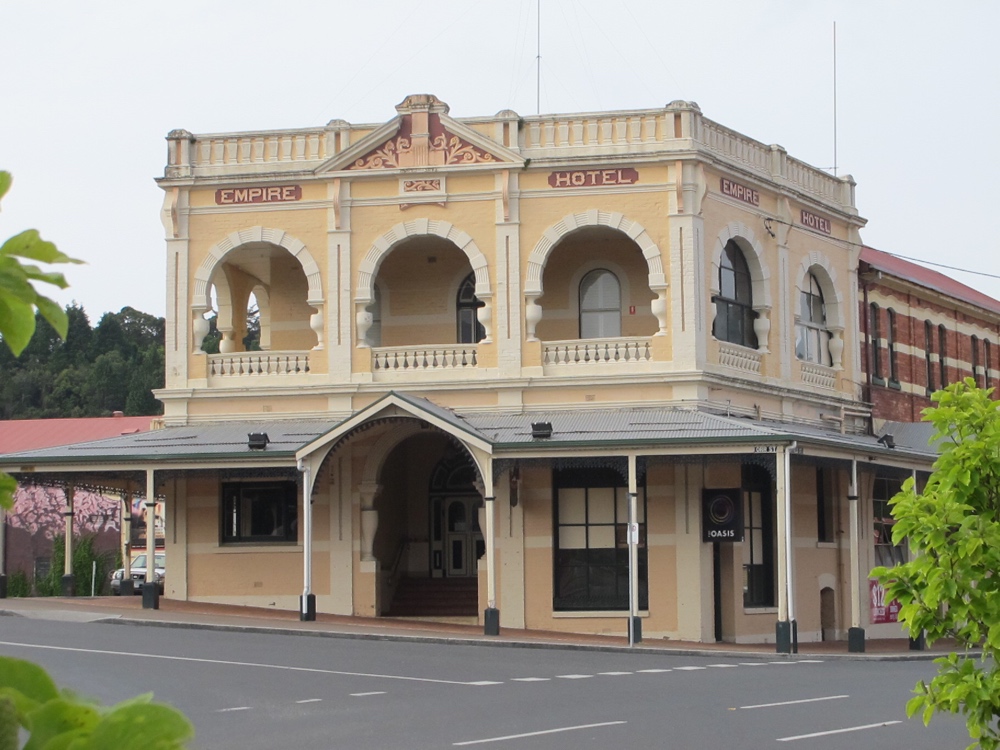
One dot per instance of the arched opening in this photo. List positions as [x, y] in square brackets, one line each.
[734, 303]
[596, 285]
[425, 294]
[812, 338]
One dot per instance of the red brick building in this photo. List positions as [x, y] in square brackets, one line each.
[921, 330]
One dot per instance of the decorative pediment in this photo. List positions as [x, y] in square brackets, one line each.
[421, 136]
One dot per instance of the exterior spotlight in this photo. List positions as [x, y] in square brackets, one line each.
[257, 441]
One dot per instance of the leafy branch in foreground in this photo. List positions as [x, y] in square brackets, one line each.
[951, 587]
[60, 720]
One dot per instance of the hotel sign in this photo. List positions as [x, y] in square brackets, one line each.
[740, 192]
[263, 194]
[812, 221]
[593, 177]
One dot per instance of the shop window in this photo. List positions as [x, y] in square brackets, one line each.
[943, 355]
[811, 337]
[928, 358]
[734, 314]
[886, 553]
[259, 512]
[600, 305]
[591, 542]
[875, 337]
[758, 539]
[470, 331]
[825, 515]
[890, 345]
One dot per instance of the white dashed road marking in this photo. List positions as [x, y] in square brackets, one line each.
[652, 671]
[573, 676]
[838, 731]
[723, 666]
[535, 734]
[689, 669]
[792, 703]
[310, 700]
[531, 679]
[363, 695]
[237, 708]
[613, 674]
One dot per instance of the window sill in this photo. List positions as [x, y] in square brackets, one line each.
[231, 547]
[760, 610]
[894, 384]
[596, 613]
[878, 381]
[827, 545]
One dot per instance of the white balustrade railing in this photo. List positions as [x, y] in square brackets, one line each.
[819, 375]
[739, 357]
[258, 364]
[423, 358]
[596, 351]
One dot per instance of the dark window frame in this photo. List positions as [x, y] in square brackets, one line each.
[826, 517]
[760, 573]
[928, 355]
[734, 313]
[466, 318]
[812, 340]
[258, 512]
[987, 361]
[886, 553]
[890, 345]
[975, 360]
[588, 579]
[875, 339]
[943, 355]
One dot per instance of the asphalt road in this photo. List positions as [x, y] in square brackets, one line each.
[252, 691]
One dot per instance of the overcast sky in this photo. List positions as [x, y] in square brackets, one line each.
[90, 90]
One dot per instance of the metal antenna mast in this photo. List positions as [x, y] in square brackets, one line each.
[538, 63]
[834, 98]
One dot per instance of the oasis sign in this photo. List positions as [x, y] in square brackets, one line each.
[722, 515]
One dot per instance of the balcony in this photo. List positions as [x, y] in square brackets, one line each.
[257, 364]
[439, 361]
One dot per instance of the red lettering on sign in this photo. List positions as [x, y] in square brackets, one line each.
[269, 194]
[740, 192]
[593, 177]
[812, 221]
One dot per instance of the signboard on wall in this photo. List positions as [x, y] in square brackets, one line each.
[722, 515]
[881, 610]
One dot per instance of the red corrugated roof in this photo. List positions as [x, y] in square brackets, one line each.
[28, 434]
[925, 277]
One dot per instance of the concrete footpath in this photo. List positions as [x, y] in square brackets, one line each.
[198, 615]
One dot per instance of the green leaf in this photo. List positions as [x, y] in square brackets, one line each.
[17, 324]
[57, 717]
[54, 314]
[29, 244]
[5, 181]
[137, 726]
[27, 678]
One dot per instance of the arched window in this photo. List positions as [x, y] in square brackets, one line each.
[928, 359]
[890, 345]
[734, 313]
[469, 329]
[875, 337]
[975, 362]
[374, 336]
[811, 337]
[943, 355]
[600, 305]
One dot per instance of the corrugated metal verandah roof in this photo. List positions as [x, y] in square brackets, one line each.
[598, 429]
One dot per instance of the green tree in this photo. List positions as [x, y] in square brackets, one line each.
[951, 589]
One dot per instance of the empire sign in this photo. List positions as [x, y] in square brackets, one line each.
[264, 194]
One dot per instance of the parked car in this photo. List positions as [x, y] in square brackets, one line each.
[138, 570]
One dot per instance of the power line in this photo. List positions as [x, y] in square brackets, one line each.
[942, 265]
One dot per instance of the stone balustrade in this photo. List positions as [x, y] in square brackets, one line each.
[820, 376]
[739, 357]
[388, 359]
[258, 364]
[581, 352]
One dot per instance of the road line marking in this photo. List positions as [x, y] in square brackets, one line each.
[363, 695]
[530, 679]
[810, 661]
[792, 703]
[310, 700]
[237, 708]
[722, 666]
[838, 731]
[613, 674]
[781, 663]
[535, 734]
[689, 669]
[244, 664]
[652, 671]
[482, 682]
[573, 676]
[753, 663]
